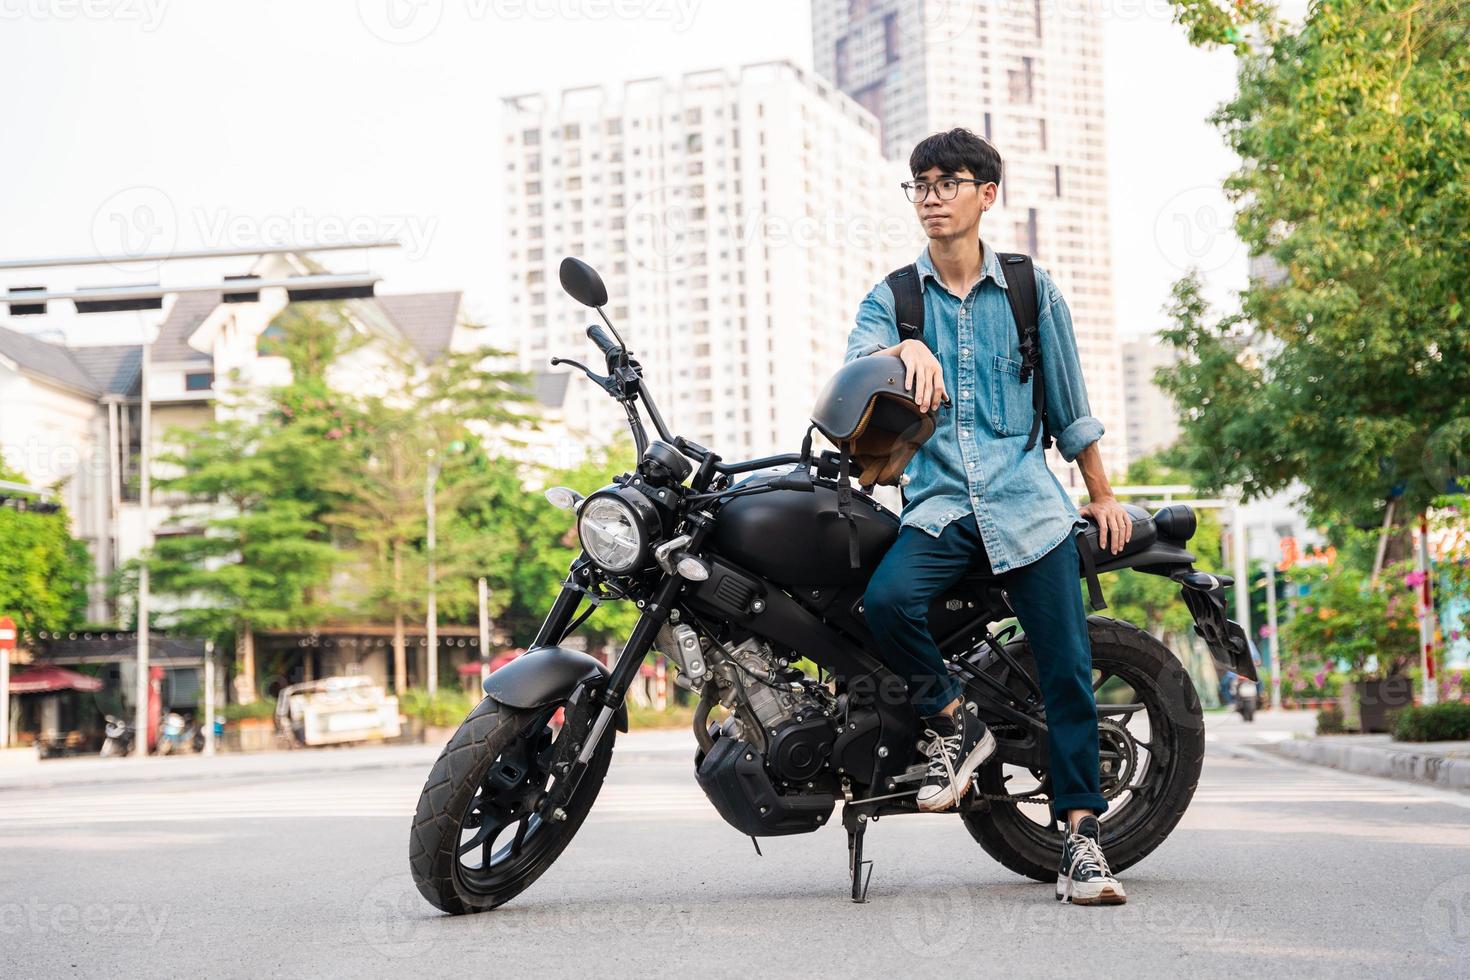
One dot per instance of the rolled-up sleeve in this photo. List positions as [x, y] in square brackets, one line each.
[1072, 422]
[875, 329]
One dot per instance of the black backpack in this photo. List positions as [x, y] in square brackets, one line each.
[908, 303]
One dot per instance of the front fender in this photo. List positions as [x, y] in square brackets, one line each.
[546, 674]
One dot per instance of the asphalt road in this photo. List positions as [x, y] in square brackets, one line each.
[1278, 869]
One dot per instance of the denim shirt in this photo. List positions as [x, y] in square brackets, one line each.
[974, 462]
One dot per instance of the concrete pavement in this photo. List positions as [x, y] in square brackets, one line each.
[1277, 869]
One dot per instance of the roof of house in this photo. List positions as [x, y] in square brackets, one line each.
[50, 361]
[184, 317]
[114, 368]
[426, 320]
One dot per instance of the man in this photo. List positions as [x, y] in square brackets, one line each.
[977, 498]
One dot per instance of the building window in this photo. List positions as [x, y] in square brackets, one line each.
[531, 137]
[890, 38]
[988, 134]
[1057, 171]
[201, 381]
[840, 57]
[1041, 133]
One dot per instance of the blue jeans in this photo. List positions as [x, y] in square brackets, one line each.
[1047, 596]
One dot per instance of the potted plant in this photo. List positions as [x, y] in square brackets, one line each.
[1367, 627]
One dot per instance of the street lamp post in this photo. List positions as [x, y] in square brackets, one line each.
[432, 624]
[145, 496]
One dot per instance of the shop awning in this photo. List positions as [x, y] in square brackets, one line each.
[48, 680]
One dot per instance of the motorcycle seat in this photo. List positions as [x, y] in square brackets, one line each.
[1145, 533]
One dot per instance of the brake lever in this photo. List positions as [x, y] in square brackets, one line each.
[601, 379]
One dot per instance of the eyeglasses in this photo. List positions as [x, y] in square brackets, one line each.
[945, 188]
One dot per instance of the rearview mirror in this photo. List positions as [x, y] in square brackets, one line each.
[582, 283]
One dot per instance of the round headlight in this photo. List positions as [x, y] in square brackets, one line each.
[613, 533]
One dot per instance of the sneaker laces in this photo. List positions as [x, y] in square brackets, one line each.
[1087, 857]
[942, 749]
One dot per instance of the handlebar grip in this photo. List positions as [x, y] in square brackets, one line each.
[599, 337]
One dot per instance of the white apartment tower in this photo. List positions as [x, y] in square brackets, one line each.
[738, 217]
[1027, 75]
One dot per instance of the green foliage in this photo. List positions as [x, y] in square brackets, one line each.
[445, 709]
[259, 709]
[1349, 619]
[533, 543]
[1448, 722]
[1354, 133]
[1213, 23]
[1330, 721]
[250, 556]
[44, 571]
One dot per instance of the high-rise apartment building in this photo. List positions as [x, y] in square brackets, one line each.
[1152, 416]
[1027, 75]
[738, 217]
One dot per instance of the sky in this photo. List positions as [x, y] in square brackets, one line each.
[202, 123]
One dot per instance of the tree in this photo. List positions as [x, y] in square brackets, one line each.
[1354, 132]
[534, 543]
[250, 557]
[413, 440]
[44, 571]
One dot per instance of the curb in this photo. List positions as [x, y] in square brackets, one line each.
[1394, 763]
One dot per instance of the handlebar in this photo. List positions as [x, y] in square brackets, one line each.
[599, 337]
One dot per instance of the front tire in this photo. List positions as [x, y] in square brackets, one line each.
[1129, 666]
[489, 770]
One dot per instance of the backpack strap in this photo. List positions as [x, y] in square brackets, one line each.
[908, 302]
[1020, 276]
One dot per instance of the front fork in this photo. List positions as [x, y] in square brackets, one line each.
[609, 699]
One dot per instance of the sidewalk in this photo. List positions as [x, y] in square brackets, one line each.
[1443, 764]
[92, 770]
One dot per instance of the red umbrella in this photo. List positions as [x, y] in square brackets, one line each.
[47, 680]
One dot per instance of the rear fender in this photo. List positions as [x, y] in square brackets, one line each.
[546, 674]
[1204, 595]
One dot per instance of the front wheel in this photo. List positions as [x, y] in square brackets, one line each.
[477, 839]
[1152, 747]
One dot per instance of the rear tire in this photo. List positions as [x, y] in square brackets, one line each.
[450, 791]
[1157, 677]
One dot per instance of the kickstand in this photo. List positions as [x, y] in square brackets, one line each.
[856, 824]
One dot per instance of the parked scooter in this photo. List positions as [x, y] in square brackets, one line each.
[119, 740]
[175, 734]
[1246, 698]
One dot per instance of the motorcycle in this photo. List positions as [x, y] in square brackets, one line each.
[119, 737]
[740, 571]
[1245, 698]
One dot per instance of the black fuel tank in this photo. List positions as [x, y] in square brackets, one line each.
[797, 538]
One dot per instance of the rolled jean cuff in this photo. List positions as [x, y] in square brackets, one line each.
[1077, 801]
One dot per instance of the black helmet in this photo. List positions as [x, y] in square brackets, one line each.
[868, 414]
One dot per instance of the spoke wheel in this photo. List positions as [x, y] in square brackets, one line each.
[480, 836]
[1151, 749]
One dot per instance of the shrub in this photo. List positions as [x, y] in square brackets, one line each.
[259, 708]
[1433, 723]
[1329, 721]
[445, 709]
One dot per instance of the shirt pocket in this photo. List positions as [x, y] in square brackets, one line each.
[1010, 401]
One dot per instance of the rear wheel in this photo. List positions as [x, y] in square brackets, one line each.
[478, 837]
[1151, 745]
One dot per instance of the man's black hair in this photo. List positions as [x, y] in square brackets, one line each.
[956, 150]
